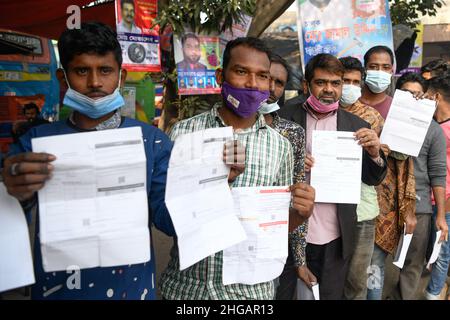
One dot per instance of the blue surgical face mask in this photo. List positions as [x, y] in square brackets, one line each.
[378, 81]
[267, 108]
[93, 108]
[350, 94]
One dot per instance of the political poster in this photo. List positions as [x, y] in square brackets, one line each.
[137, 35]
[197, 57]
[342, 27]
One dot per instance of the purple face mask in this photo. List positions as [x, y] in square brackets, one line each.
[243, 102]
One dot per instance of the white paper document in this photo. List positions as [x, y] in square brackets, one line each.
[16, 264]
[436, 249]
[402, 249]
[198, 196]
[94, 210]
[264, 213]
[407, 123]
[306, 293]
[336, 174]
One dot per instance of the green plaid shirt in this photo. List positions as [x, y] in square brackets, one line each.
[269, 162]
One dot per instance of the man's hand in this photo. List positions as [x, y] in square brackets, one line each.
[441, 224]
[309, 162]
[234, 157]
[303, 196]
[306, 276]
[386, 150]
[411, 222]
[369, 140]
[26, 173]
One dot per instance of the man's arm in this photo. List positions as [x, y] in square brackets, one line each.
[437, 171]
[160, 215]
[374, 166]
[441, 223]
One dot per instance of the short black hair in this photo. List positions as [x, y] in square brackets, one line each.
[411, 77]
[91, 37]
[323, 61]
[378, 49]
[351, 63]
[437, 67]
[249, 42]
[275, 58]
[122, 2]
[189, 36]
[441, 84]
[31, 105]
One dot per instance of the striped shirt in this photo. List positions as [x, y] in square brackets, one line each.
[296, 136]
[269, 162]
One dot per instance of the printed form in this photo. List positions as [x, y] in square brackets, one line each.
[94, 210]
[199, 198]
[336, 174]
[407, 123]
[16, 263]
[264, 214]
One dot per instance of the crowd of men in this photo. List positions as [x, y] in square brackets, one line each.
[339, 246]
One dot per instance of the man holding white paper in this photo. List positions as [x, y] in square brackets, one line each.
[245, 80]
[430, 174]
[332, 227]
[91, 60]
[439, 90]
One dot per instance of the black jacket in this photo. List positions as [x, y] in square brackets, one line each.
[372, 174]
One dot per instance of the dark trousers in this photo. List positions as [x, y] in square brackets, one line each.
[330, 268]
[287, 280]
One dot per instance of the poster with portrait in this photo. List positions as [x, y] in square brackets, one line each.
[197, 57]
[238, 30]
[137, 35]
[342, 27]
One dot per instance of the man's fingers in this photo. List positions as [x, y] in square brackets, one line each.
[30, 179]
[233, 152]
[25, 191]
[32, 157]
[33, 168]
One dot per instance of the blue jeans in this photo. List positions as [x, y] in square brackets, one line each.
[440, 267]
[375, 272]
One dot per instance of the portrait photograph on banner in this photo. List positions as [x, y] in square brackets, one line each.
[197, 57]
[137, 35]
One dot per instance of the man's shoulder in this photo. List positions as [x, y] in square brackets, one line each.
[291, 107]
[353, 119]
[183, 65]
[195, 123]
[148, 130]
[435, 130]
[200, 66]
[276, 137]
[290, 125]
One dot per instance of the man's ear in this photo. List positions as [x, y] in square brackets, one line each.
[123, 77]
[219, 76]
[305, 87]
[61, 79]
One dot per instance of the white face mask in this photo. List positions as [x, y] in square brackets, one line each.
[93, 108]
[377, 80]
[350, 94]
[268, 107]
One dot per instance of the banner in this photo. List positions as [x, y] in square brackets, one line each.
[138, 37]
[342, 27]
[416, 60]
[238, 30]
[197, 57]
